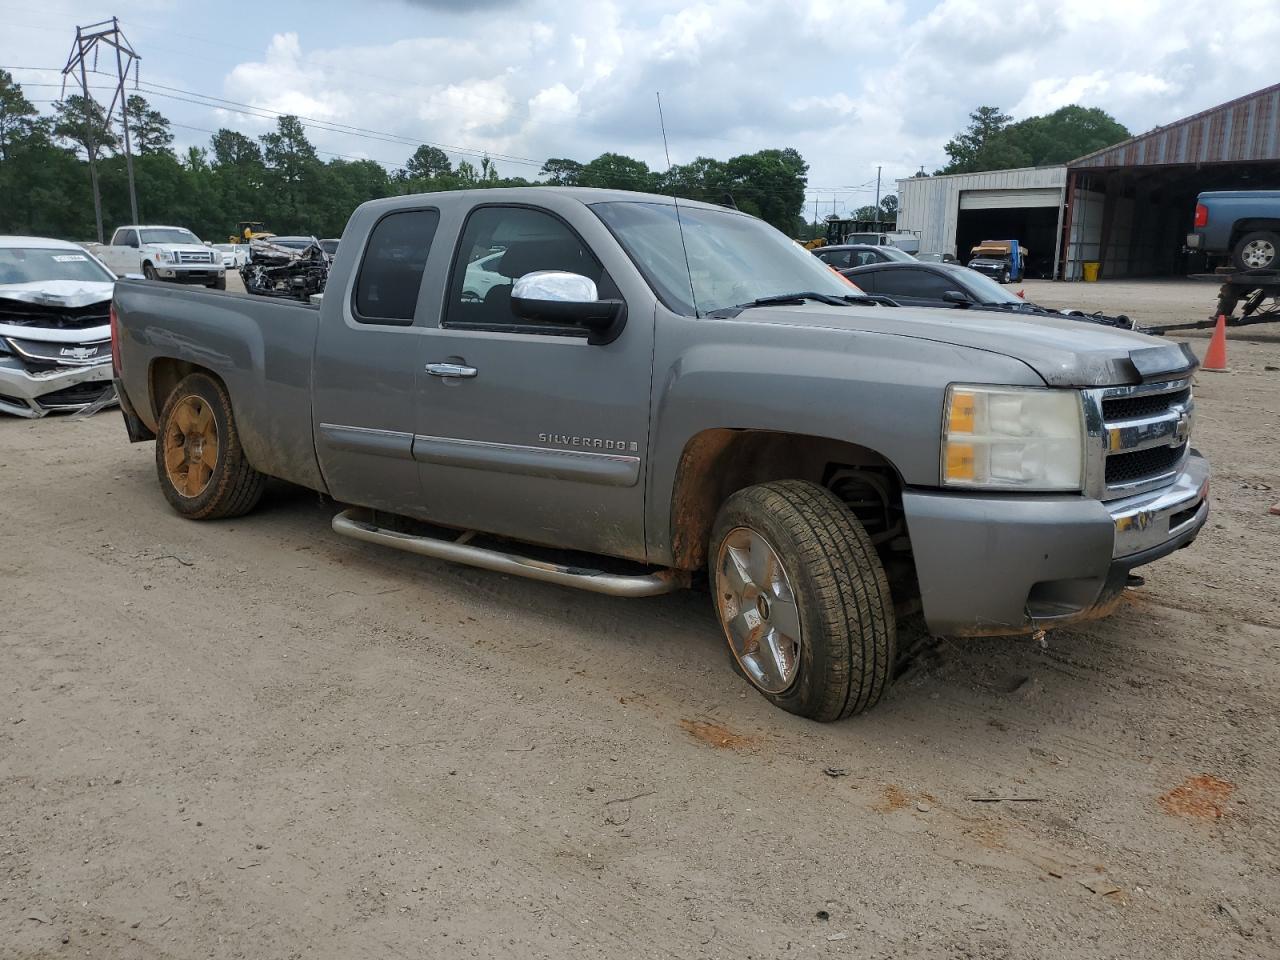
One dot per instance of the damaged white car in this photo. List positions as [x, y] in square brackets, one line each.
[55, 333]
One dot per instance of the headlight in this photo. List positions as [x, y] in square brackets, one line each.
[164, 256]
[1025, 438]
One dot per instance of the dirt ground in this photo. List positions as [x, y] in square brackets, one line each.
[256, 739]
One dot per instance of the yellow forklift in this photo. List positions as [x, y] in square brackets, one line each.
[247, 230]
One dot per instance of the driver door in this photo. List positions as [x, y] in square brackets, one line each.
[524, 429]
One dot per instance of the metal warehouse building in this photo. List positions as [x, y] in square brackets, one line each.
[1127, 206]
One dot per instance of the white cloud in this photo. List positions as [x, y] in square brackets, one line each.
[852, 84]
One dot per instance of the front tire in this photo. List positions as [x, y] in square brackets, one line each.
[802, 599]
[201, 465]
[219, 284]
[149, 272]
[1257, 251]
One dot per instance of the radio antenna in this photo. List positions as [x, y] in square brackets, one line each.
[662, 125]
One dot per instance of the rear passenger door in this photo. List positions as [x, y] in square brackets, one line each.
[367, 372]
[525, 429]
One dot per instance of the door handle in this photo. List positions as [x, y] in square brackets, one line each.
[451, 370]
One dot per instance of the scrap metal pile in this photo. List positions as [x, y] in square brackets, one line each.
[274, 270]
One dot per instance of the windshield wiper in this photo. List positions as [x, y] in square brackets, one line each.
[783, 299]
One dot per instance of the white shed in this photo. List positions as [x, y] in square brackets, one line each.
[955, 212]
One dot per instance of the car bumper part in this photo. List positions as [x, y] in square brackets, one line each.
[1193, 241]
[991, 565]
[206, 274]
[26, 394]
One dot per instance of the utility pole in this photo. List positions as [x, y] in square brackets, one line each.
[88, 39]
[879, 221]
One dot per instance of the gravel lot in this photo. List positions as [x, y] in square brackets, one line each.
[258, 739]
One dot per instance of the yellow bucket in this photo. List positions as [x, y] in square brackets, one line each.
[1091, 268]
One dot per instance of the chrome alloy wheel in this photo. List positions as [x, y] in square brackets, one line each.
[1258, 254]
[758, 610]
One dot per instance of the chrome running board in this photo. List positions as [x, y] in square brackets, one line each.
[350, 523]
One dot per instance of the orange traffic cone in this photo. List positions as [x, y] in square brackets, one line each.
[1215, 358]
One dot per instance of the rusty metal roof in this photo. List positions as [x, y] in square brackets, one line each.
[1241, 130]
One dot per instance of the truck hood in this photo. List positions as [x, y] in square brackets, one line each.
[68, 294]
[1065, 353]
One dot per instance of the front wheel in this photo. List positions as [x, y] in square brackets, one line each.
[202, 467]
[1004, 277]
[802, 599]
[149, 272]
[220, 283]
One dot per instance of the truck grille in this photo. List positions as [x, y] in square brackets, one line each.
[1146, 435]
[1143, 464]
[188, 256]
[1135, 407]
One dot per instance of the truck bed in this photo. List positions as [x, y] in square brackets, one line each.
[261, 348]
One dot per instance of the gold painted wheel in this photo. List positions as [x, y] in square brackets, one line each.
[191, 446]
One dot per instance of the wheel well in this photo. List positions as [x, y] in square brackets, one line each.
[717, 463]
[166, 373]
[1241, 227]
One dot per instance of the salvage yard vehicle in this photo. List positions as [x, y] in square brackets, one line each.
[164, 253]
[950, 285]
[1239, 227]
[293, 267]
[1005, 261]
[663, 387]
[846, 255]
[55, 346]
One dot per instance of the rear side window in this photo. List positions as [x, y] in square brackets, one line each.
[913, 283]
[391, 272]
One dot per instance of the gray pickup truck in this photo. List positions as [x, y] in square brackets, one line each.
[612, 391]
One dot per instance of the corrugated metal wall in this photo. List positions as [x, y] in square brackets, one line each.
[930, 206]
[1241, 130]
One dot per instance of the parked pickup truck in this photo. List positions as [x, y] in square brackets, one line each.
[654, 390]
[164, 253]
[1240, 225]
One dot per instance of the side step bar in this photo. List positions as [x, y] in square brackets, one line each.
[351, 523]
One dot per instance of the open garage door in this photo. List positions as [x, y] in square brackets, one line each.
[1010, 199]
[1035, 227]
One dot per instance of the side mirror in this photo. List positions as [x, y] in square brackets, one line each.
[958, 298]
[556, 296]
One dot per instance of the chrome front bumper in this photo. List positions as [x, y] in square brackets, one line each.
[1148, 520]
[25, 394]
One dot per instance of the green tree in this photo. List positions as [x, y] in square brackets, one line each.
[770, 184]
[428, 163]
[292, 169]
[616, 172]
[1063, 135]
[79, 122]
[964, 148]
[561, 172]
[992, 142]
[148, 129]
[18, 116]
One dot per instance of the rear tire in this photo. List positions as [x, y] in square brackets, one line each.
[812, 571]
[1259, 250]
[200, 463]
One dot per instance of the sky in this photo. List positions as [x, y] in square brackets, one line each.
[852, 84]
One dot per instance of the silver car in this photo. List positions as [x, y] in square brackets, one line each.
[55, 333]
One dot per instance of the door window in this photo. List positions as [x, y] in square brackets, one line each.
[912, 283]
[837, 258]
[128, 238]
[500, 245]
[391, 272]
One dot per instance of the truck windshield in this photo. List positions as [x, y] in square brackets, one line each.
[169, 235]
[724, 258]
[41, 264]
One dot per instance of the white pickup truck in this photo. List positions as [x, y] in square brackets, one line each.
[163, 253]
